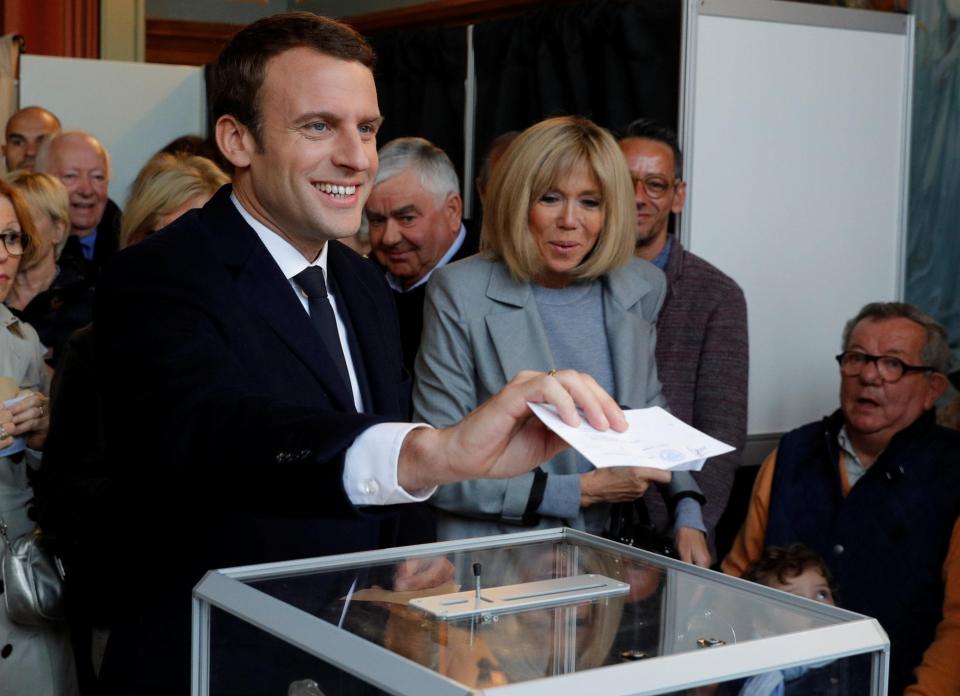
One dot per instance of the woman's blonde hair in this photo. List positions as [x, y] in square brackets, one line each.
[45, 194]
[164, 184]
[25, 217]
[537, 160]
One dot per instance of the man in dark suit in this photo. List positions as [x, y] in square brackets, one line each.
[82, 163]
[415, 220]
[252, 372]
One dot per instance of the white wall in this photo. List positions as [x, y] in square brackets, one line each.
[133, 108]
[796, 137]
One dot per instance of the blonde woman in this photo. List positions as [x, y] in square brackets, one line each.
[50, 212]
[168, 186]
[556, 286]
[52, 296]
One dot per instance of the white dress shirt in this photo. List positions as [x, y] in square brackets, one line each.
[370, 468]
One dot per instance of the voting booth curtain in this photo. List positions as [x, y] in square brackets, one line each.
[420, 77]
[610, 61]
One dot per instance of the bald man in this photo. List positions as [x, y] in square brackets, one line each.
[82, 163]
[26, 130]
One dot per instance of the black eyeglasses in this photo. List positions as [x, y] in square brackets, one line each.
[890, 368]
[655, 185]
[14, 242]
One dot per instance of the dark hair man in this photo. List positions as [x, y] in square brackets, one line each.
[25, 131]
[875, 490]
[702, 344]
[415, 221]
[254, 390]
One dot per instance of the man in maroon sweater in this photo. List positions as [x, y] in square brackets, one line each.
[702, 346]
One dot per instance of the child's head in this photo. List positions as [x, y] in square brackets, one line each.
[796, 569]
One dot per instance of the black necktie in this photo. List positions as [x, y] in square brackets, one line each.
[314, 286]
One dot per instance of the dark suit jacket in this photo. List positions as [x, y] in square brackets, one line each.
[410, 304]
[225, 423]
[104, 247]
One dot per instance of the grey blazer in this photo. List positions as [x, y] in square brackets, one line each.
[481, 327]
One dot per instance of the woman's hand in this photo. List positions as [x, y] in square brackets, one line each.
[29, 417]
[691, 545]
[6, 427]
[618, 484]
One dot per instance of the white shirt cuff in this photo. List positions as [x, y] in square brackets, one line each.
[370, 468]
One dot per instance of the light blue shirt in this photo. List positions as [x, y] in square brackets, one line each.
[855, 468]
[660, 261]
[87, 243]
[445, 259]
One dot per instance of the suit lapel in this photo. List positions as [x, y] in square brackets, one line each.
[505, 327]
[622, 290]
[261, 286]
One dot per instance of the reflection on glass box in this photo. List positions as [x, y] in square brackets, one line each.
[551, 612]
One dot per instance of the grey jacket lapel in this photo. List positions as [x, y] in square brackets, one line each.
[625, 323]
[519, 318]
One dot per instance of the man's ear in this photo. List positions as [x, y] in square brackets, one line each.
[235, 141]
[680, 198]
[938, 385]
[453, 209]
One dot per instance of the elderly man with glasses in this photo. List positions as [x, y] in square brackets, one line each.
[702, 345]
[875, 489]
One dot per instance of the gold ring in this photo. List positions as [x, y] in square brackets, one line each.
[552, 373]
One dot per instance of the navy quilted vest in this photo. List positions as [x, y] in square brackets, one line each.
[887, 541]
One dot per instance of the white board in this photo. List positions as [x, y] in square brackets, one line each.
[133, 108]
[795, 127]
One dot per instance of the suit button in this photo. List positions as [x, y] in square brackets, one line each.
[838, 549]
[369, 487]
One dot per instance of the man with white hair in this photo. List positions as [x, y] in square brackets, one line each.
[82, 163]
[416, 226]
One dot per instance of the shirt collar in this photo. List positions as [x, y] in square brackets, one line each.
[843, 439]
[290, 261]
[7, 318]
[451, 252]
[660, 261]
[88, 244]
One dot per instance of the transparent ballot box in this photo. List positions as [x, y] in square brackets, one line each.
[557, 612]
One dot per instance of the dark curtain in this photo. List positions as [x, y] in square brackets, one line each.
[610, 61]
[420, 75]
